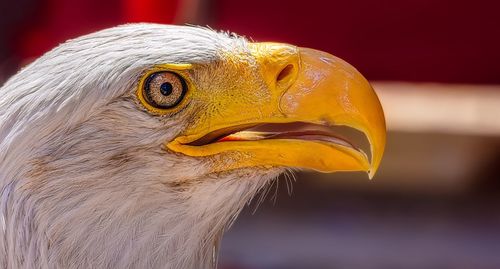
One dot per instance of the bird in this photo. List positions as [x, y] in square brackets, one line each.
[137, 146]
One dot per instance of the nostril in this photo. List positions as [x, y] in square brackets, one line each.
[285, 73]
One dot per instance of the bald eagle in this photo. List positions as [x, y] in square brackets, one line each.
[137, 146]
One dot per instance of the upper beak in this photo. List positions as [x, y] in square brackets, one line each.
[331, 91]
[306, 86]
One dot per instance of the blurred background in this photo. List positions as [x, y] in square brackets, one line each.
[435, 64]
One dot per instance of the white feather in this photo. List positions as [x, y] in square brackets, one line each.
[84, 182]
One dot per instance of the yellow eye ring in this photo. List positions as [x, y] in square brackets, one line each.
[163, 89]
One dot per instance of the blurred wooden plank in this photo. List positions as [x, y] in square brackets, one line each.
[441, 108]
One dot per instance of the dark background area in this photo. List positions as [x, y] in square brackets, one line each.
[435, 202]
[415, 40]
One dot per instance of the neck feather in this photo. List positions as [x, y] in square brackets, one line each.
[66, 220]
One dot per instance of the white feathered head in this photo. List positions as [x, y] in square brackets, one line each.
[136, 146]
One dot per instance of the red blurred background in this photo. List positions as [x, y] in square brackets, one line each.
[415, 40]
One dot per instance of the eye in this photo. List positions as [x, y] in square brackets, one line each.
[164, 89]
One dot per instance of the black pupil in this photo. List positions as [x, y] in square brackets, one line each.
[166, 88]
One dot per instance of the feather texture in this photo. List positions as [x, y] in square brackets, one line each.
[84, 182]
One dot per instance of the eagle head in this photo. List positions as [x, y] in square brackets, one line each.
[137, 146]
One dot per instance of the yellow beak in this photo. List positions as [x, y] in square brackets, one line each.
[305, 86]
